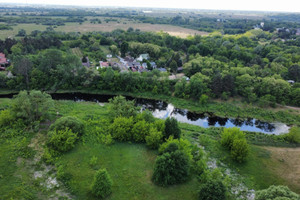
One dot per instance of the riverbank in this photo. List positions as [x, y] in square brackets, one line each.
[232, 108]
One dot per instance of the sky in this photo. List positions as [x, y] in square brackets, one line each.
[252, 5]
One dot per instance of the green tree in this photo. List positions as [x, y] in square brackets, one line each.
[119, 106]
[172, 128]
[140, 130]
[32, 106]
[229, 135]
[114, 49]
[21, 33]
[154, 139]
[173, 66]
[121, 128]
[171, 168]
[203, 99]
[276, 193]
[213, 189]
[239, 150]
[124, 48]
[293, 135]
[70, 122]
[102, 184]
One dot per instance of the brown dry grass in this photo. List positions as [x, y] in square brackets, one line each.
[287, 165]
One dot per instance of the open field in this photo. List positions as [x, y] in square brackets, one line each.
[105, 27]
[287, 165]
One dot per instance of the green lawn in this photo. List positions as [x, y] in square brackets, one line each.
[130, 167]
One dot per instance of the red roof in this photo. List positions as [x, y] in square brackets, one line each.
[2, 59]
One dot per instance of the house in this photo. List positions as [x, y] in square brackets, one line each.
[3, 61]
[144, 65]
[143, 57]
[298, 31]
[103, 64]
[291, 81]
[108, 56]
[162, 69]
[153, 65]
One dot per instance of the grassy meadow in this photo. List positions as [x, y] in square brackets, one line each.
[130, 165]
[86, 26]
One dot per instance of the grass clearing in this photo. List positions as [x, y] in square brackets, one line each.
[104, 27]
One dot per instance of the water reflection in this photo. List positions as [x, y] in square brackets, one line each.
[163, 110]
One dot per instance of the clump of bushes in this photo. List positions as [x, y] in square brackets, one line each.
[154, 139]
[70, 122]
[213, 189]
[293, 135]
[276, 192]
[234, 140]
[101, 186]
[172, 167]
[62, 140]
[172, 128]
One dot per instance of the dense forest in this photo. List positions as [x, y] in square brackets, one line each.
[256, 65]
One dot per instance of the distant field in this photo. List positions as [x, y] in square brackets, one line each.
[105, 27]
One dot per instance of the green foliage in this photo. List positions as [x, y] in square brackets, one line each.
[120, 107]
[62, 140]
[239, 150]
[106, 139]
[121, 128]
[171, 128]
[154, 139]
[6, 118]
[203, 99]
[276, 193]
[101, 186]
[171, 168]
[70, 122]
[93, 161]
[213, 189]
[229, 135]
[33, 106]
[140, 130]
[234, 140]
[293, 135]
[147, 116]
[183, 145]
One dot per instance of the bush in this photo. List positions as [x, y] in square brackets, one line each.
[33, 106]
[72, 123]
[6, 118]
[146, 115]
[239, 150]
[213, 189]
[62, 140]
[293, 135]
[101, 186]
[276, 193]
[140, 130]
[121, 128]
[154, 139]
[171, 168]
[203, 99]
[172, 128]
[183, 145]
[229, 135]
[120, 107]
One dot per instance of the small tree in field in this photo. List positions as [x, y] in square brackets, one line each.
[213, 189]
[171, 168]
[172, 128]
[101, 186]
[239, 150]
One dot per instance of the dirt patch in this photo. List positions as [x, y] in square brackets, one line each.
[287, 165]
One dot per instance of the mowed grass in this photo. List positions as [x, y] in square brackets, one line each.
[130, 167]
[104, 27]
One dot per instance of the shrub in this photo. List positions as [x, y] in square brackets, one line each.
[6, 118]
[147, 116]
[171, 168]
[93, 161]
[229, 135]
[183, 145]
[154, 139]
[213, 189]
[293, 135]
[119, 107]
[101, 186]
[203, 99]
[72, 123]
[62, 140]
[140, 130]
[172, 128]
[33, 106]
[105, 139]
[276, 193]
[239, 150]
[121, 128]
